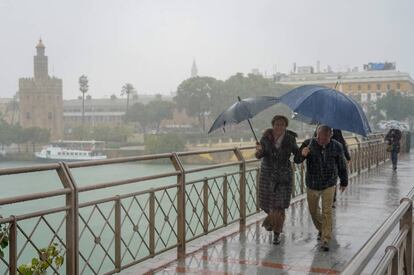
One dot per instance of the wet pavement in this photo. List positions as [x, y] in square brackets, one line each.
[360, 210]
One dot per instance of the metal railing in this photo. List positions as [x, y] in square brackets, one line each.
[398, 257]
[116, 231]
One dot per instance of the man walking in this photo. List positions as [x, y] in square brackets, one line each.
[324, 162]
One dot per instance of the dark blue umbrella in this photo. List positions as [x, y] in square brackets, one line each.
[243, 110]
[322, 105]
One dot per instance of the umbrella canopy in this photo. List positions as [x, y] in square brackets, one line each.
[243, 110]
[322, 105]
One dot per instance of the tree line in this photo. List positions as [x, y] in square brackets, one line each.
[16, 134]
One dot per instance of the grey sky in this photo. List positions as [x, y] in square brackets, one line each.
[151, 44]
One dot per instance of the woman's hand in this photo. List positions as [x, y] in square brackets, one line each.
[305, 152]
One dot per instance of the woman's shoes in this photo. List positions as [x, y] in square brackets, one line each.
[267, 225]
[276, 238]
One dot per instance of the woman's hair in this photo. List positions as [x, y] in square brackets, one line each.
[281, 118]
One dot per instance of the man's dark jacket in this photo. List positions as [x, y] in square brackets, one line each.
[323, 164]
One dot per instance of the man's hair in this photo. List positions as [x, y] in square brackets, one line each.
[281, 118]
[324, 128]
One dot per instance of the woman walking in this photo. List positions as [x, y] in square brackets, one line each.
[275, 183]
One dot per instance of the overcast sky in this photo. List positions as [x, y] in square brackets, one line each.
[151, 44]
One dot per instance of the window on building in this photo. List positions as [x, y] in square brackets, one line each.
[350, 87]
[388, 87]
[398, 86]
[369, 87]
[27, 115]
[49, 116]
[378, 86]
[359, 87]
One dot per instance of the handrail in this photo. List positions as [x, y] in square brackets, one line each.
[391, 251]
[360, 260]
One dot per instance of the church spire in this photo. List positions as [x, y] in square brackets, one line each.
[194, 70]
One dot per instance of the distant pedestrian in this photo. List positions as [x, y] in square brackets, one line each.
[393, 139]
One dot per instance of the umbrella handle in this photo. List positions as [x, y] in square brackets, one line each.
[254, 134]
[250, 124]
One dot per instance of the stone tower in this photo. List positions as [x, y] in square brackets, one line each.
[40, 98]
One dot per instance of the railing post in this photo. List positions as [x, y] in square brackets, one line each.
[152, 222]
[225, 203]
[359, 154]
[294, 193]
[257, 189]
[369, 156]
[352, 163]
[72, 220]
[242, 186]
[13, 247]
[205, 205]
[378, 152]
[407, 222]
[394, 267]
[302, 178]
[118, 234]
[180, 205]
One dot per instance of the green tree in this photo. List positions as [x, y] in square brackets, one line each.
[139, 113]
[6, 134]
[156, 144]
[396, 106]
[128, 90]
[111, 134]
[195, 96]
[37, 135]
[205, 95]
[159, 110]
[19, 136]
[81, 132]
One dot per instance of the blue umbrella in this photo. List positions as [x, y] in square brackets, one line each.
[243, 110]
[322, 105]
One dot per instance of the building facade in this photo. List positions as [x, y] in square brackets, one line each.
[367, 85]
[40, 98]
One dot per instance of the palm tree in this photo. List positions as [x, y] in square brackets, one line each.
[127, 90]
[83, 87]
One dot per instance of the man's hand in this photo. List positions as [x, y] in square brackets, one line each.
[342, 188]
[305, 151]
[259, 148]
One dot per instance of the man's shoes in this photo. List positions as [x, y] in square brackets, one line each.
[394, 168]
[325, 246]
[319, 236]
[276, 238]
[333, 206]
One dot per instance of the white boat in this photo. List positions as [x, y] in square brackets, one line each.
[72, 150]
